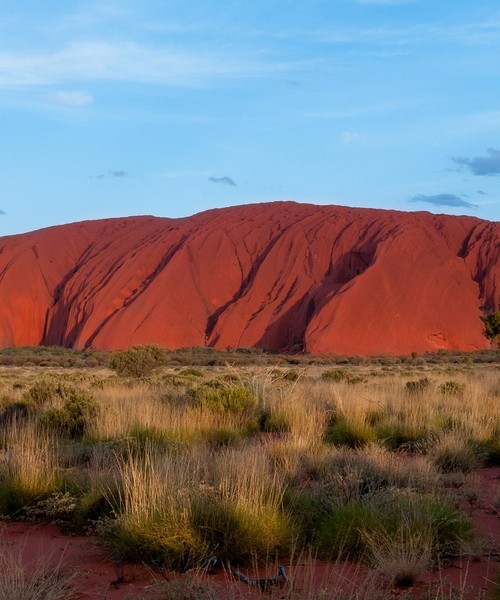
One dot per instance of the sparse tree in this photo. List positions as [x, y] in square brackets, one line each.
[492, 327]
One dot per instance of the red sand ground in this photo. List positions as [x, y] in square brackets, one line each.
[280, 276]
[97, 573]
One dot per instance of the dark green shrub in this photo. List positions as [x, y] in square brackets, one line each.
[492, 327]
[138, 361]
[307, 509]
[16, 411]
[73, 419]
[339, 533]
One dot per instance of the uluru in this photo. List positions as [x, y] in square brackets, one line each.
[281, 276]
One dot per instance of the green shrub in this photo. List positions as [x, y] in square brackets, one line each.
[273, 423]
[162, 540]
[192, 372]
[232, 399]
[350, 434]
[335, 374]
[242, 536]
[45, 390]
[339, 535]
[73, 419]
[138, 361]
[492, 327]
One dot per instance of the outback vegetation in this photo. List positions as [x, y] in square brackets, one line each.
[492, 327]
[171, 460]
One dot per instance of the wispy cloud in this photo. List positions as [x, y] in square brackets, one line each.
[481, 165]
[74, 98]
[223, 180]
[443, 200]
[86, 61]
[475, 33]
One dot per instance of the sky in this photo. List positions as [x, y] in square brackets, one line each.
[170, 107]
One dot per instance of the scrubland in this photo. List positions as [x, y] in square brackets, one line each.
[372, 464]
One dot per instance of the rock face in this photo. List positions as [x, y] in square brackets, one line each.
[280, 276]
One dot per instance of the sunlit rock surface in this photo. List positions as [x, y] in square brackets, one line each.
[281, 276]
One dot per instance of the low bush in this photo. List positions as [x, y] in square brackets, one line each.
[418, 386]
[232, 399]
[454, 452]
[349, 433]
[138, 361]
[44, 390]
[335, 375]
[191, 372]
[74, 417]
[343, 532]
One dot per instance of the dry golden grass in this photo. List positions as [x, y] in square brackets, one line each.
[186, 479]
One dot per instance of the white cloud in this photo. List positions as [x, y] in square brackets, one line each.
[130, 62]
[74, 98]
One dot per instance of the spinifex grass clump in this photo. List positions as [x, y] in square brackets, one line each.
[344, 530]
[42, 580]
[176, 510]
[401, 555]
[223, 398]
[154, 522]
[241, 508]
[28, 467]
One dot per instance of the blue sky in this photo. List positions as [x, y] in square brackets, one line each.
[169, 107]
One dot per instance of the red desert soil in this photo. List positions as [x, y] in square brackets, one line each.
[97, 576]
[280, 276]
